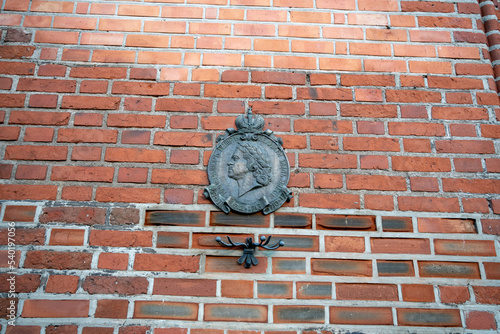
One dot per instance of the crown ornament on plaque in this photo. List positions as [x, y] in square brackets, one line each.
[249, 125]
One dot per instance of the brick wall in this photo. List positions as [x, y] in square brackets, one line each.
[390, 118]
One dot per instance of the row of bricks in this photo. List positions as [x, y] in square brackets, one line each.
[41, 259]
[319, 39]
[344, 244]
[303, 128]
[209, 90]
[147, 10]
[237, 76]
[255, 313]
[318, 18]
[305, 160]
[298, 180]
[130, 216]
[248, 289]
[441, 66]
[331, 160]
[303, 142]
[295, 141]
[230, 91]
[478, 320]
[321, 200]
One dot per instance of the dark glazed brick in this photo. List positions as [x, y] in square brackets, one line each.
[397, 224]
[232, 219]
[299, 314]
[361, 315]
[185, 287]
[314, 290]
[202, 240]
[395, 268]
[289, 266]
[448, 269]
[297, 243]
[341, 267]
[229, 264]
[234, 312]
[175, 218]
[165, 310]
[366, 223]
[172, 239]
[275, 290]
[429, 317]
[290, 220]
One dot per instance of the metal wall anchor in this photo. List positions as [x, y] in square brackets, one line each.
[249, 248]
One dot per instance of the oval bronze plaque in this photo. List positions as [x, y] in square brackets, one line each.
[248, 169]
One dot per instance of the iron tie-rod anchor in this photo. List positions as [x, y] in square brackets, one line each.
[248, 257]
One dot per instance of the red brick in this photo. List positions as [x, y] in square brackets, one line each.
[371, 144]
[417, 293]
[67, 237]
[35, 192]
[112, 238]
[163, 262]
[374, 162]
[81, 173]
[115, 285]
[424, 184]
[40, 308]
[38, 135]
[113, 261]
[99, 72]
[480, 320]
[376, 182]
[184, 105]
[87, 136]
[112, 308]
[429, 204]
[353, 291]
[116, 154]
[86, 153]
[28, 152]
[454, 294]
[133, 175]
[39, 117]
[422, 164]
[57, 260]
[125, 195]
[73, 215]
[96, 102]
[137, 104]
[76, 193]
[62, 284]
[88, 119]
[237, 289]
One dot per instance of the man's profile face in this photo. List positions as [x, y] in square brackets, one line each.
[237, 166]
